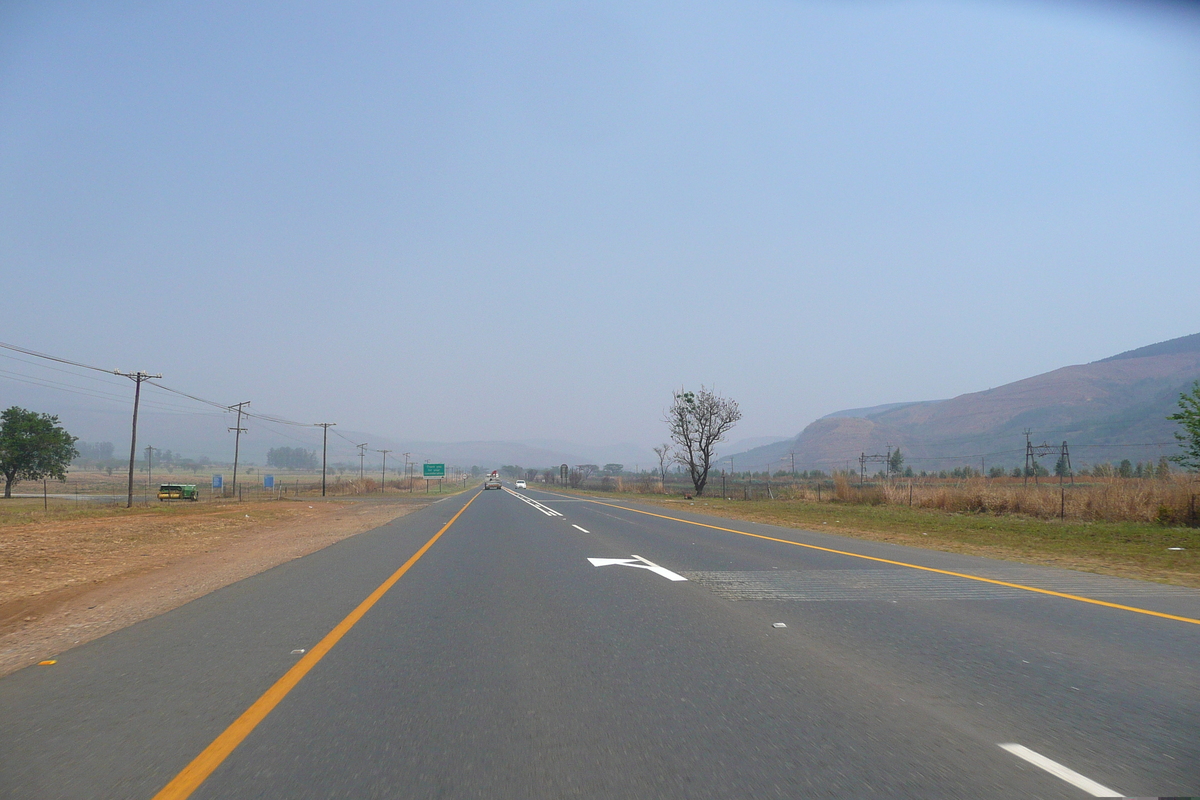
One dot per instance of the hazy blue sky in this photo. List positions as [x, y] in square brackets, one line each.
[533, 220]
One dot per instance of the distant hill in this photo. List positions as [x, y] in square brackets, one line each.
[1108, 410]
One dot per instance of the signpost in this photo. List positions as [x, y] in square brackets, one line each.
[434, 472]
[218, 483]
[268, 481]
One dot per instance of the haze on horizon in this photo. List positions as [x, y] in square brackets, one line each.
[479, 221]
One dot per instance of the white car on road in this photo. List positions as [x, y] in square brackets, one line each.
[521, 484]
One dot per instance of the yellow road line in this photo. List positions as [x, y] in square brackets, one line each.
[212, 756]
[913, 566]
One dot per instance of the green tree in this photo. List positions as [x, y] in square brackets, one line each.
[33, 446]
[1189, 417]
[896, 462]
[613, 469]
[292, 458]
[1163, 470]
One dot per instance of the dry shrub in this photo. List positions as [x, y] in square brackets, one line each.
[356, 486]
[841, 489]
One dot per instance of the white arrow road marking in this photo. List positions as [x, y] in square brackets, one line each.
[549, 512]
[1059, 771]
[645, 563]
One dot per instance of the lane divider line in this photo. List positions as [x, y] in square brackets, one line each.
[195, 773]
[1034, 589]
[576, 527]
[1059, 771]
[547, 510]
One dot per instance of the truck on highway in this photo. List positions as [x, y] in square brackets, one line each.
[492, 481]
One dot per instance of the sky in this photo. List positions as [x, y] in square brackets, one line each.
[534, 221]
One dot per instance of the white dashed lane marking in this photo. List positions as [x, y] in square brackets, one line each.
[549, 512]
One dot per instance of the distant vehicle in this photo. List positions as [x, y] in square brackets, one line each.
[520, 484]
[178, 491]
[492, 482]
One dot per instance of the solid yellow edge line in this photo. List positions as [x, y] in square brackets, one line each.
[211, 757]
[913, 566]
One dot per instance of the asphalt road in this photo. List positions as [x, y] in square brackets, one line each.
[505, 663]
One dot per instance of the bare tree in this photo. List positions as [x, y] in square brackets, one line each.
[578, 476]
[665, 456]
[697, 422]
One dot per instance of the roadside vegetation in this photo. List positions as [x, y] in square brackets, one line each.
[1136, 528]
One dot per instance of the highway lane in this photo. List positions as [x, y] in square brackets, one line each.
[1113, 693]
[503, 663]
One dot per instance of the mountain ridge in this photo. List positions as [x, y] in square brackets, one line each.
[1110, 409]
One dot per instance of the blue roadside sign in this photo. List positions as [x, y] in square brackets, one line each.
[218, 481]
[268, 481]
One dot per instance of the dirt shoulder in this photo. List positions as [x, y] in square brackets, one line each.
[64, 582]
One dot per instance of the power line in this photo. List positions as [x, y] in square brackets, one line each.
[58, 369]
[35, 353]
[222, 406]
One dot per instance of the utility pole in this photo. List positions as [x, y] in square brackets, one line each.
[150, 465]
[137, 378]
[406, 455]
[1063, 466]
[383, 475]
[362, 454]
[237, 440]
[324, 449]
[1029, 457]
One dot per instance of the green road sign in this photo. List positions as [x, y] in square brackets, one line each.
[435, 470]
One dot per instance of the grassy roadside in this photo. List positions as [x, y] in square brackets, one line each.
[1125, 549]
